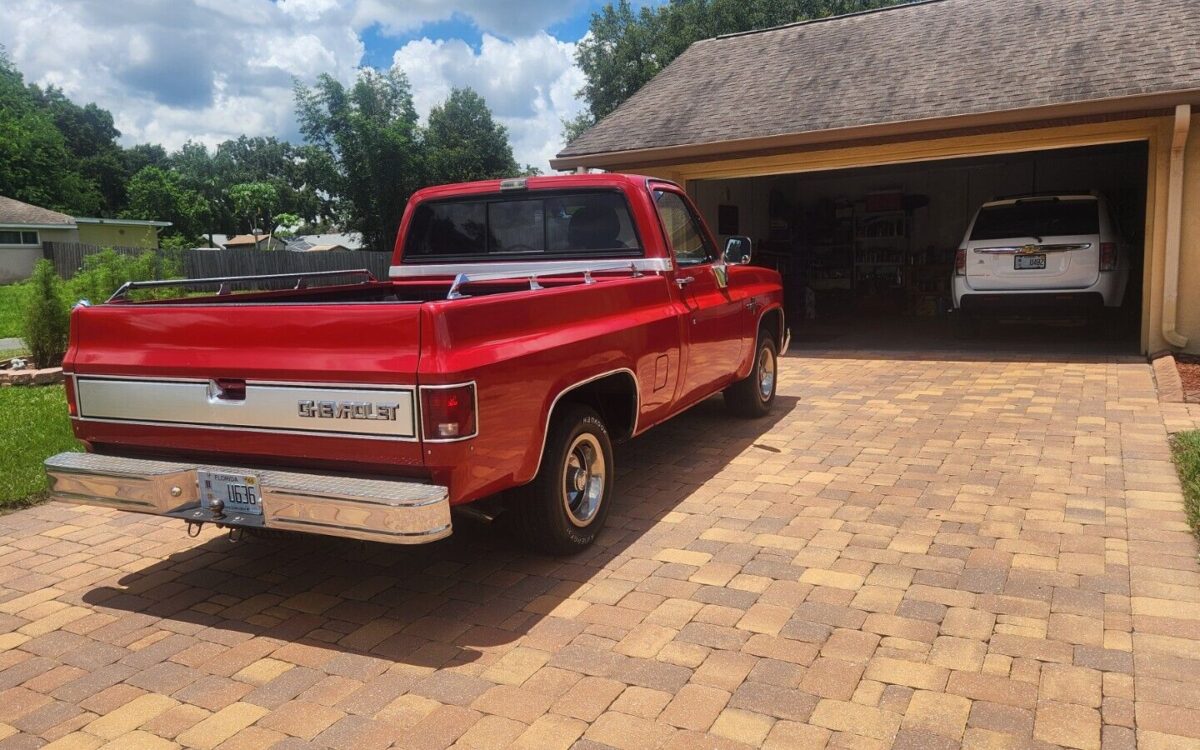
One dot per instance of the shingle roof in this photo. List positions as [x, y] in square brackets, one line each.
[13, 211]
[912, 62]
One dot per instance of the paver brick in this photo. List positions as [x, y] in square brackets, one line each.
[974, 551]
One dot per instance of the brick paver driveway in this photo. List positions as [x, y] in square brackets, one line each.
[918, 554]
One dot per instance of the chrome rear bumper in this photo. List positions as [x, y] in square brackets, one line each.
[397, 512]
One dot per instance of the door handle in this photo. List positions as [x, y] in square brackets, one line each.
[683, 281]
[752, 304]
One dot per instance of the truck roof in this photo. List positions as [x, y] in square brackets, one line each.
[541, 182]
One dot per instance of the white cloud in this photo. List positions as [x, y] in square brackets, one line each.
[507, 18]
[209, 70]
[206, 69]
[529, 84]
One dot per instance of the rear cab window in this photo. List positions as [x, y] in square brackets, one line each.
[1037, 218]
[529, 225]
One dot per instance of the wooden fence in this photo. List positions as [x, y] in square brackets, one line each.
[203, 263]
[68, 256]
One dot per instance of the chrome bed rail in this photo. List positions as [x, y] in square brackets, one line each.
[467, 273]
[225, 281]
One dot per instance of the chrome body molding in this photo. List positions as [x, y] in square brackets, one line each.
[382, 510]
[637, 407]
[1033, 249]
[382, 412]
[526, 268]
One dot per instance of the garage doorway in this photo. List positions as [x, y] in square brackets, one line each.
[867, 254]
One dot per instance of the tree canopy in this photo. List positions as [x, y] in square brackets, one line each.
[625, 49]
[374, 154]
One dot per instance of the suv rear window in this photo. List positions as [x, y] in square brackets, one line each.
[525, 225]
[1041, 218]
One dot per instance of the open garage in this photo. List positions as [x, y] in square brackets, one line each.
[855, 151]
[867, 254]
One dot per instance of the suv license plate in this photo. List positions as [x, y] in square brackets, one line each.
[239, 492]
[1029, 262]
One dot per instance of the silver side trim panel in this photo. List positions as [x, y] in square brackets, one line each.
[530, 267]
[397, 512]
[387, 412]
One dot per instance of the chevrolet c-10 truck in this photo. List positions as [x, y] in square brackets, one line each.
[527, 325]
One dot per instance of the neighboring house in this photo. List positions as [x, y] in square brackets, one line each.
[120, 232]
[783, 133]
[309, 243]
[23, 229]
[254, 242]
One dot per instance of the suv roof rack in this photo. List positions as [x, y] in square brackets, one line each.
[1047, 194]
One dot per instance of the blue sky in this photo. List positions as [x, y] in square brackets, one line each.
[207, 70]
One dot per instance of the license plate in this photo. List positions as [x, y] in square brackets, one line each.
[1029, 262]
[239, 492]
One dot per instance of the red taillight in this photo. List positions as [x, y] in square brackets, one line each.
[69, 384]
[448, 413]
[960, 262]
[1108, 256]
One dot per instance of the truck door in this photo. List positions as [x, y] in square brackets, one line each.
[713, 320]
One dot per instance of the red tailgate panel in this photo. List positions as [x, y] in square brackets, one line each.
[338, 344]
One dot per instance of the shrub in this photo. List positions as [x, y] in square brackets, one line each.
[47, 318]
[104, 272]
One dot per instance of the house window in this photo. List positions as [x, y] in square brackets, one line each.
[12, 237]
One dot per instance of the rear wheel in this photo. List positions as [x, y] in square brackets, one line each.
[752, 396]
[563, 510]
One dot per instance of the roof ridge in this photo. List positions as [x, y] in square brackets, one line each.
[824, 19]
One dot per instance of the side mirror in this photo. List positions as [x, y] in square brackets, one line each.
[737, 251]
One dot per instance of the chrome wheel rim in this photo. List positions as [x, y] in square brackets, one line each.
[766, 373]
[583, 480]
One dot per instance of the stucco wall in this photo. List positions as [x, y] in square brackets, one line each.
[17, 263]
[116, 235]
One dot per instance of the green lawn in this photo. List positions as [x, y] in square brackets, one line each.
[33, 425]
[1186, 446]
[11, 306]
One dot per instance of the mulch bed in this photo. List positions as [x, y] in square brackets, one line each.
[1189, 372]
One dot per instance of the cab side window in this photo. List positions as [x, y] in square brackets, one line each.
[689, 243]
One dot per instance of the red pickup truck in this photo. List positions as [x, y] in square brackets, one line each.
[526, 326]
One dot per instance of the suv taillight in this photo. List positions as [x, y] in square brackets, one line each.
[448, 413]
[1108, 256]
[960, 262]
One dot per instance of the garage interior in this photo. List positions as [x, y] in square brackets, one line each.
[867, 253]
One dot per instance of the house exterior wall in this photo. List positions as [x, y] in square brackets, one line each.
[1189, 254]
[16, 263]
[118, 235]
[1156, 131]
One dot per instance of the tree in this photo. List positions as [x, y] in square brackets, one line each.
[575, 127]
[47, 320]
[158, 194]
[91, 138]
[464, 143]
[254, 204]
[624, 49]
[36, 165]
[368, 133]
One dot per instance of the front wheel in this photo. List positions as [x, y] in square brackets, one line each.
[563, 510]
[752, 396]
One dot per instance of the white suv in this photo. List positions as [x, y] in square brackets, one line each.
[1041, 251]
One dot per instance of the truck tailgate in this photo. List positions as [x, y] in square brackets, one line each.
[318, 384]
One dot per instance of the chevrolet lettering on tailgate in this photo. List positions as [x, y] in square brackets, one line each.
[347, 410]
